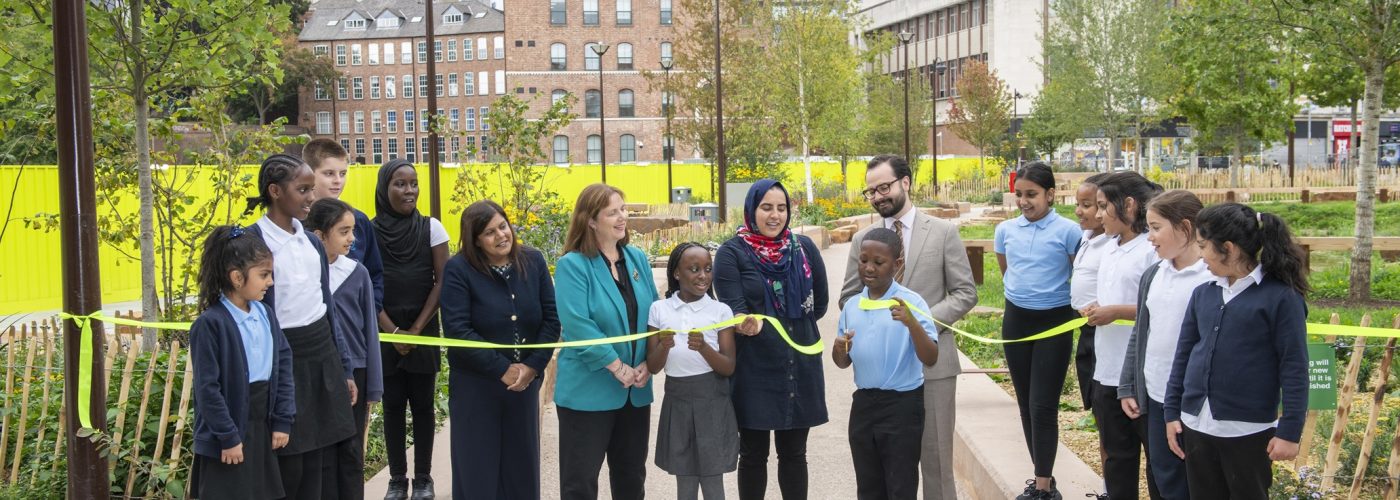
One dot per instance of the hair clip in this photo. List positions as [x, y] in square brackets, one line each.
[1259, 217]
[235, 232]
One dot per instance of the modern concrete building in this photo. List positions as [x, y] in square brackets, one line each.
[378, 110]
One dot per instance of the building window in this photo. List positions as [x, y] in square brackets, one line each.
[592, 103]
[590, 12]
[471, 143]
[454, 117]
[321, 50]
[359, 122]
[423, 122]
[557, 14]
[561, 149]
[558, 57]
[387, 21]
[360, 148]
[323, 122]
[345, 144]
[409, 124]
[481, 48]
[556, 96]
[410, 149]
[624, 56]
[422, 52]
[423, 85]
[389, 52]
[627, 148]
[669, 150]
[375, 124]
[452, 17]
[500, 82]
[485, 123]
[391, 118]
[407, 86]
[393, 148]
[405, 53]
[452, 85]
[437, 50]
[355, 56]
[373, 87]
[355, 23]
[321, 94]
[624, 12]
[357, 87]
[625, 106]
[468, 83]
[470, 122]
[374, 54]
[595, 149]
[437, 85]
[665, 12]
[339, 55]
[485, 84]
[498, 45]
[377, 145]
[665, 50]
[591, 60]
[390, 87]
[342, 89]
[451, 50]
[668, 101]
[344, 122]
[467, 50]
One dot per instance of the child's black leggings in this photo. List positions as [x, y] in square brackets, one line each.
[1038, 369]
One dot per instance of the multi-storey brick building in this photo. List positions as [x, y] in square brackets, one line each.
[378, 110]
[551, 52]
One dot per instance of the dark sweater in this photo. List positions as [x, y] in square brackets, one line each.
[1245, 356]
[271, 298]
[221, 381]
[481, 306]
[356, 316]
[365, 250]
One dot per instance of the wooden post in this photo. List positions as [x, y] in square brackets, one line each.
[1310, 424]
[974, 258]
[24, 405]
[1384, 195]
[1344, 396]
[164, 410]
[140, 423]
[1230, 196]
[1307, 262]
[9, 389]
[122, 403]
[1369, 437]
[44, 412]
[1305, 196]
[183, 412]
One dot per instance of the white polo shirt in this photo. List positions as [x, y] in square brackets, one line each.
[1206, 423]
[296, 274]
[672, 313]
[1084, 283]
[1166, 307]
[1119, 272]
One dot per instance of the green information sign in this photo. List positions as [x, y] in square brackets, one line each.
[1322, 377]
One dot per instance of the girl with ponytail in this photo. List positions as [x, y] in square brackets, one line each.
[1241, 357]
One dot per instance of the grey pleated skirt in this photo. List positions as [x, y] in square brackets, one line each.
[698, 434]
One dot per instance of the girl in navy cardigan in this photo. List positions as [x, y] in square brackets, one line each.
[244, 404]
[1242, 350]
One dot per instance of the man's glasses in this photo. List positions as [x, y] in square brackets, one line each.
[883, 189]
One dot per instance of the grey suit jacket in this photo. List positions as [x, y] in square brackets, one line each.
[935, 267]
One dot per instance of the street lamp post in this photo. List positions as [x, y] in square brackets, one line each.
[940, 67]
[720, 160]
[1015, 130]
[601, 48]
[666, 105]
[904, 38]
[434, 192]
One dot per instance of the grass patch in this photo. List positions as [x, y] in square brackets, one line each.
[1336, 218]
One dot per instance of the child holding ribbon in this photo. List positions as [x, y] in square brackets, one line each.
[887, 411]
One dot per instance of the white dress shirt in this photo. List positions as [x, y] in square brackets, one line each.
[1083, 284]
[672, 313]
[1167, 301]
[1119, 275]
[1206, 423]
[908, 221]
[296, 274]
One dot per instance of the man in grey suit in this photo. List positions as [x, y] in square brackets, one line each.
[935, 267]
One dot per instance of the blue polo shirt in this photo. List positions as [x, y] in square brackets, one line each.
[882, 353]
[256, 333]
[1038, 259]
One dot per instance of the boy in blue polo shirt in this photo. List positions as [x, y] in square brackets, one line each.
[887, 410]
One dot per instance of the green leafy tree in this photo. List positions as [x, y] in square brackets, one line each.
[883, 123]
[522, 142]
[1058, 114]
[981, 113]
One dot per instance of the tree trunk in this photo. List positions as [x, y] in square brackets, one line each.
[1236, 156]
[806, 130]
[1360, 287]
[150, 308]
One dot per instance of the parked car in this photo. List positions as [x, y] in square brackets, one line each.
[1213, 162]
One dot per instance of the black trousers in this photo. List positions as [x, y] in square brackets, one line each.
[403, 392]
[1084, 362]
[343, 468]
[792, 463]
[495, 438]
[587, 437]
[1038, 370]
[886, 433]
[301, 474]
[1229, 468]
[1124, 443]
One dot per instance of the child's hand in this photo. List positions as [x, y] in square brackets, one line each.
[354, 391]
[1174, 431]
[279, 440]
[643, 374]
[403, 349]
[844, 341]
[666, 339]
[234, 455]
[1282, 449]
[696, 342]
[750, 327]
[1089, 309]
[900, 311]
[1099, 316]
[1130, 408]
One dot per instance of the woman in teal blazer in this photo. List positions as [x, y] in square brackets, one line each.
[603, 288]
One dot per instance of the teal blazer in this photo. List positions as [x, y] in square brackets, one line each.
[590, 307]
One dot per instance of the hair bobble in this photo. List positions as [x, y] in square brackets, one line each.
[1259, 217]
[235, 231]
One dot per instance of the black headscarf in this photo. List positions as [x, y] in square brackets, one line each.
[402, 237]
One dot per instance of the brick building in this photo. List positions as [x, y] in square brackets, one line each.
[550, 52]
[378, 110]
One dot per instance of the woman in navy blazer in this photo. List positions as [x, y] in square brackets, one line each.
[495, 290]
[605, 289]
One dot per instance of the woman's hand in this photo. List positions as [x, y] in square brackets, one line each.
[511, 375]
[232, 456]
[642, 375]
[1174, 430]
[280, 439]
[354, 391]
[1282, 449]
[623, 373]
[525, 375]
[750, 327]
[1130, 408]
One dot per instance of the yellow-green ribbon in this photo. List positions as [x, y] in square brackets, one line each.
[867, 303]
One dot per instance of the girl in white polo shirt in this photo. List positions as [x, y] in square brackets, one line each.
[1122, 200]
[1163, 295]
[1084, 282]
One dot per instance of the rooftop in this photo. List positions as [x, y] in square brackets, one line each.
[379, 19]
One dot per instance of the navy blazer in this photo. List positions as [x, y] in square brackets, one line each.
[326, 297]
[1245, 356]
[221, 381]
[365, 250]
[483, 307]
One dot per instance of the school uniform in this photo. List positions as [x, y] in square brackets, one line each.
[320, 356]
[598, 417]
[356, 316]
[887, 409]
[495, 431]
[1122, 439]
[243, 393]
[1163, 295]
[365, 250]
[1242, 352]
[697, 438]
[1083, 290]
[1037, 283]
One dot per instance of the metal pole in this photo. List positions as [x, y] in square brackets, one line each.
[719, 124]
[434, 194]
[905, 40]
[82, 290]
[600, 48]
[938, 68]
[666, 147]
